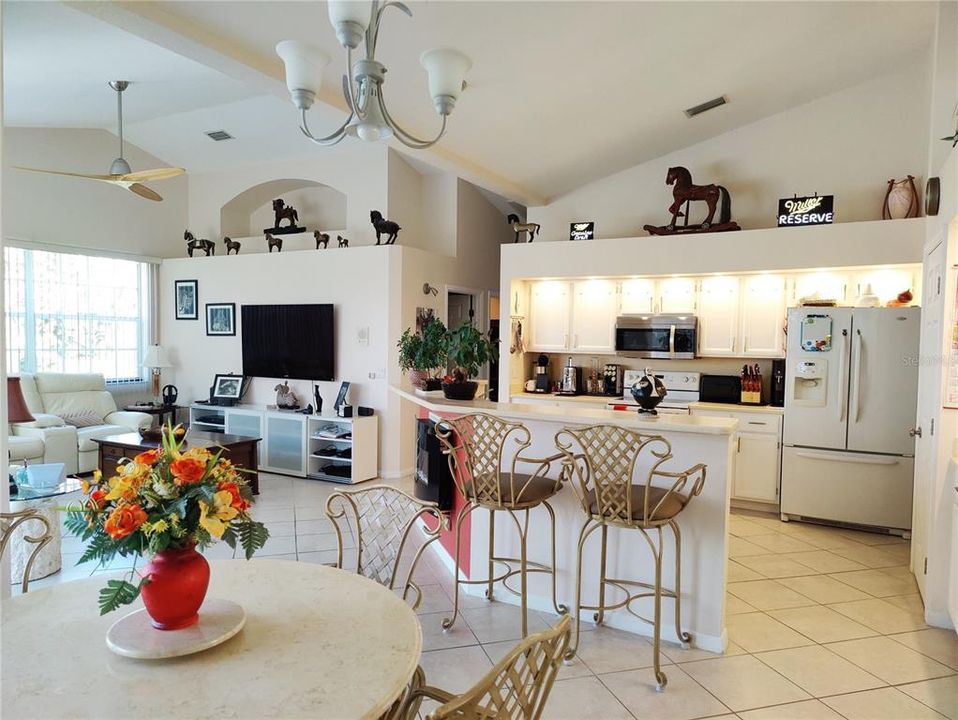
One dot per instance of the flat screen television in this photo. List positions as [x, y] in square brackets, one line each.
[288, 341]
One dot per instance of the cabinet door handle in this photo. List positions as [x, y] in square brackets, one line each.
[739, 449]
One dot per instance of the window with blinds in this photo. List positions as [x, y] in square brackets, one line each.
[76, 313]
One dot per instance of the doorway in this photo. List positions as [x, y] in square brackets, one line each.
[466, 305]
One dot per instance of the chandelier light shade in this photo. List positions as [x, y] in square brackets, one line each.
[304, 70]
[357, 22]
[17, 410]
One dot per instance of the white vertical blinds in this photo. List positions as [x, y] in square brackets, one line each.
[76, 313]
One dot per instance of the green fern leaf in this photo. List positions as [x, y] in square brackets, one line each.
[252, 536]
[118, 592]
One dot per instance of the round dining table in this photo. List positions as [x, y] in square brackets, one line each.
[318, 643]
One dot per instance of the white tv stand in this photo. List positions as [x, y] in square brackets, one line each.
[296, 444]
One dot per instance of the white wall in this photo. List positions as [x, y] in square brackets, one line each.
[84, 213]
[318, 208]
[847, 144]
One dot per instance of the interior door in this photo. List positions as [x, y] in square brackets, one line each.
[816, 381]
[883, 383]
[929, 403]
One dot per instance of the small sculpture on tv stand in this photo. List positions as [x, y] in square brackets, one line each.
[685, 192]
[384, 227]
[274, 242]
[343, 242]
[192, 243]
[285, 398]
[282, 211]
[530, 228]
[321, 239]
[232, 246]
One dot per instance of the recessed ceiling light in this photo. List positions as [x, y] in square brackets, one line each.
[706, 106]
[219, 135]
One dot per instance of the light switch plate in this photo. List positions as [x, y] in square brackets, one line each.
[362, 335]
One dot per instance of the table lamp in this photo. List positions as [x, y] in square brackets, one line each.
[17, 412]
[156, 359]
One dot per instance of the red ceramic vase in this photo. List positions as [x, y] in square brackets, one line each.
[177, 587]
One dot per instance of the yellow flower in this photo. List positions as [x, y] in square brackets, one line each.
[215, 521]
[157, 527]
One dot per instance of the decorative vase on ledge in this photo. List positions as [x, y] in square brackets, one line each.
[177, 585]
[460, 390]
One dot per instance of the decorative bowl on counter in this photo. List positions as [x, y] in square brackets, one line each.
[155, 434]
[460, 390]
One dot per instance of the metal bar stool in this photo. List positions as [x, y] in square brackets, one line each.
[602, 461]
[484, 452]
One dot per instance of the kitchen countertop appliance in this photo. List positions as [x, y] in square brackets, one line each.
[571, 382]
[721, 389]
[542, 375]
[682, 388]
[664, 336]
[851, 383]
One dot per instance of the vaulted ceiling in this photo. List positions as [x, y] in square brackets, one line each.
[561, 93]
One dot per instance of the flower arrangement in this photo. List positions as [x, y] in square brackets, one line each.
[165, 499]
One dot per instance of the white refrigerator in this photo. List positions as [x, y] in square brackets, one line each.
[851, 383]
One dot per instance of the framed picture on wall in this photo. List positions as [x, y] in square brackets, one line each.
[221, 318]
[186, 297]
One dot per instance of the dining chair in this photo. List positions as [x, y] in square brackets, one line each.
[10, 521]
[621, 480]
[516, 688]
[383, 517]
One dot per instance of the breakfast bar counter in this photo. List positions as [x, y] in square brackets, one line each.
[707, 440]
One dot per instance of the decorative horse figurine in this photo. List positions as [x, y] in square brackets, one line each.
[231, 246]
[517, 227]
[285, 397]
[282, 211]
[207, 246]
[274, 242]
[683, 193]
[343, 242]
[321, 239]
[384, 227]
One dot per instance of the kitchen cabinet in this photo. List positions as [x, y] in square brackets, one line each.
[827, 285]
[593, 316]
[763, 316]
[549, 303]
[677, 295]
[668, 295]
[718, 315]
[637, 296]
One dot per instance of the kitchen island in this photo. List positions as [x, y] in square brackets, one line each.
[704, 523]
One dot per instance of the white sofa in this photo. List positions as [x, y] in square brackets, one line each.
[53, 396]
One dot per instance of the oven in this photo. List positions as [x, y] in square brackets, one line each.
[681, 388]
[662, 336]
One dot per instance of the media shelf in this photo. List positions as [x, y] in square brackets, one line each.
[292, 440]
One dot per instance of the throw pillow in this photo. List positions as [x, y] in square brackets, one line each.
[81, 420]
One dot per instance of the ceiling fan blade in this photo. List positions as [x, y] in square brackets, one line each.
[145, 192]
[108, 178]
[155, 174]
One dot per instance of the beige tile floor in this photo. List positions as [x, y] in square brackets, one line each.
[823, 623]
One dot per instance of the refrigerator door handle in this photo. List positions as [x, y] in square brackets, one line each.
[863, 460]
[843, 375]
[856, 415]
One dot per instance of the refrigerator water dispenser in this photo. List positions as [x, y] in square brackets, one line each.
[810, 383]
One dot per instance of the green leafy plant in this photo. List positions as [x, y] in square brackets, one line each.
[467, 350]
[426, 351]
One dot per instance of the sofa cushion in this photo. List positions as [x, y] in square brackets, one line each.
[86, 435]
[68, 382]
[24, 448]
[98, 402]
[83, 419]
[31, 394]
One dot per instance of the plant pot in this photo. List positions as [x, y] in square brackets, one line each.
[417, 377]
[460, 391]
[430, 384]
[177, 587]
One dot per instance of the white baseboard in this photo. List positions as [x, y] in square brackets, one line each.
[397, 474]
[939, 618]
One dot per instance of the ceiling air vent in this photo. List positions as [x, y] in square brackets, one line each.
[706, 106]
[219, 135]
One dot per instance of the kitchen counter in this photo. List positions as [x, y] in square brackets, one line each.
[735, 407]
[593, 399]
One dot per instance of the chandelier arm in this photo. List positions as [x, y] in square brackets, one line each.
[406, 138]
[331, 139]
[373, 36]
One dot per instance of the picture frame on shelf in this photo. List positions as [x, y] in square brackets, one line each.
[227, 387]
[186, 299]
[220, 319]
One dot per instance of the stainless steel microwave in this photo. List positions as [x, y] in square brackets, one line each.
[664, 336]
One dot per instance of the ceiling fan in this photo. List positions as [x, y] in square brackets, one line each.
[120, 172]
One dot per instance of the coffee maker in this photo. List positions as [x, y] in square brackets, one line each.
[542, 374]
[778, 383]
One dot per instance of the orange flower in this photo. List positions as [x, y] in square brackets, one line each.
[238, 502]
[124, 520]
[187, 470]
[98, 499]
[147, 457]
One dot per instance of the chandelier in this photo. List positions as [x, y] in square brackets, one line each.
[354, 22]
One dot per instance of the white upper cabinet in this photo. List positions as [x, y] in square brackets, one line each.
[826, 285]
[763, 316]
[637, 296]
[549, 305]
[676, 295]
[593, 316]
[718, 314]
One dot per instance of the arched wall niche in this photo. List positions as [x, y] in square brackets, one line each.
[320, 207]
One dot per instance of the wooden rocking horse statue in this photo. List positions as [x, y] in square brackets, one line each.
[684, 192]
[517, 227]
[282, 211]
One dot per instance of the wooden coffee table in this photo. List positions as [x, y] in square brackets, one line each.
[241, 450]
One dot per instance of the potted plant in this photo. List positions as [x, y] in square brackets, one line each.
[421, 354]
[165, 503]
[467, 350]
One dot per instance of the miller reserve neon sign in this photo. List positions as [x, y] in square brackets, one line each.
[811, 210]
